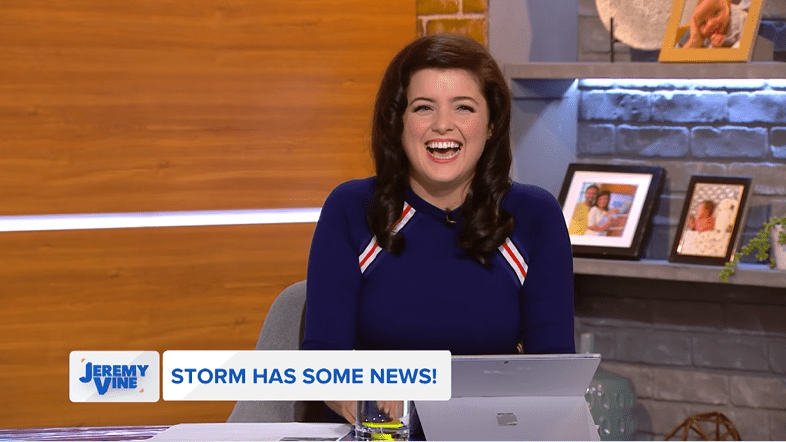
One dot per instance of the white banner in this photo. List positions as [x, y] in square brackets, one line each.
[113, 376]
[306, 375]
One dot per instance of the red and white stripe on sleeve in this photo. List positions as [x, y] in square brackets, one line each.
[514, 258]
[372, 249]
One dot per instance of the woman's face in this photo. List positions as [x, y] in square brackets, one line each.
[446, 125]
[603, 201]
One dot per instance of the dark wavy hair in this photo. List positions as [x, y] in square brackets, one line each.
[486, 224]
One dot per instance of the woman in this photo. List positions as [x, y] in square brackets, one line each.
[599, 219]
[440, 250]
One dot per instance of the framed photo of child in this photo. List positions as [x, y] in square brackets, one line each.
[711, 220]
[711, 30]
[608, 208]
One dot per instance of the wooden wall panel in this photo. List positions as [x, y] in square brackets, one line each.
[125, 105]
[168, 105]
[195, 288]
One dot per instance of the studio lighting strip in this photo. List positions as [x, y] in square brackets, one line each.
[30, 223]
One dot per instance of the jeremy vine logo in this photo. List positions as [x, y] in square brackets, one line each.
[114, 376]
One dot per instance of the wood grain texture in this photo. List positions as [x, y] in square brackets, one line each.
[195, 288]
[175, 105]
[168, 105]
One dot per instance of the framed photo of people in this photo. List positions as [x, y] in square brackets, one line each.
[608, 208]
[708, 232]
[711, 30]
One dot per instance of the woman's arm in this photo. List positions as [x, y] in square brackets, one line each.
[595, 216]
[547, 292]
[333, 280]
[604, 226]
[345, 409]
[334, 276]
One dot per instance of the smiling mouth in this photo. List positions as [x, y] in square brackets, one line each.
[443, 150]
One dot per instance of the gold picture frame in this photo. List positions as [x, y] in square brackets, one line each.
[678, 32]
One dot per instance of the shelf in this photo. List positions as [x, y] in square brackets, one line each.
[552, 80]
[646, 70]
[747, 274]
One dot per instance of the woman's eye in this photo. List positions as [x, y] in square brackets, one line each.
[466, 108]
[421, 108]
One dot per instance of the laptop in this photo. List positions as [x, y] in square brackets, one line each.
[514, 397]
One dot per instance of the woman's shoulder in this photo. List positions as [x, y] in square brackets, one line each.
[537, 216]
[350, 195]
[528, 197]
[356, 188]
[532, 206]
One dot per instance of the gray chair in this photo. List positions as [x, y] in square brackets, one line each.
[282, 330]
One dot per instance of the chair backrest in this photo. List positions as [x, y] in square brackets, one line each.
[282, 330]
[284, 324]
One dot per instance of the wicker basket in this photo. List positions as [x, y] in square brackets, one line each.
[722, 428]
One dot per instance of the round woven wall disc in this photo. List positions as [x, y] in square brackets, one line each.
[637, 23]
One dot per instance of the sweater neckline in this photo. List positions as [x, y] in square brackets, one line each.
[423, 206]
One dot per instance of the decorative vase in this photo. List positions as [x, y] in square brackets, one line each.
[777, 251]
[610, 398]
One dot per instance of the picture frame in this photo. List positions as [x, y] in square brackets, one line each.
[741, 37]
[618, 233]
[705, 241]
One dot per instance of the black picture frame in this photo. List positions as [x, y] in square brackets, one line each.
[695, 242]
[634, 191]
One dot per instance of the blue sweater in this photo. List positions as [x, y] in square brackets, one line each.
[432, 296]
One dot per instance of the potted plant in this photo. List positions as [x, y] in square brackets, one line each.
[772, 230]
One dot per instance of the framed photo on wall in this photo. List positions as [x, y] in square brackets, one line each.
[711, 220]
[608, 208]
[711, 30]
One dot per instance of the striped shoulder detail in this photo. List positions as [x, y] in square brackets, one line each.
[372, 249]
[514, 258]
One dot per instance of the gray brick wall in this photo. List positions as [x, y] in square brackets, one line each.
[684, 358]
[687, 357]
[757, 107]
[652, 141]
[778, 142]
[675, 106]
[728, 142]
[690, 127]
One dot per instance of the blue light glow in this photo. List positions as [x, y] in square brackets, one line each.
[677, 83]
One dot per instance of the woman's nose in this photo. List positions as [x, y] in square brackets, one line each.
[442, 122]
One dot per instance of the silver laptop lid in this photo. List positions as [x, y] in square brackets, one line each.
[514, 397]
[522, 375]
